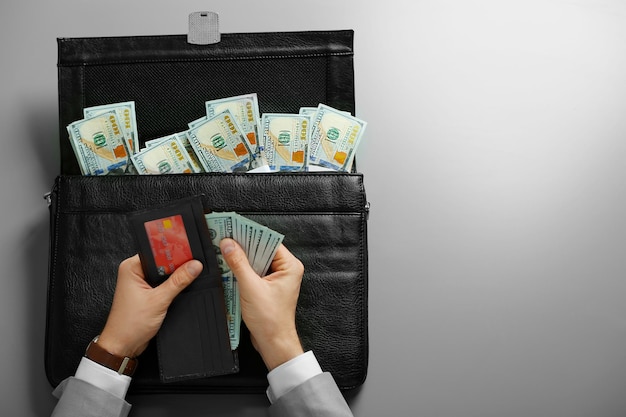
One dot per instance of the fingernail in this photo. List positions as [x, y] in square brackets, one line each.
[194, 267]
[226, 246]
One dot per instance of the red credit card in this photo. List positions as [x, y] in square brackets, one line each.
[169, 243]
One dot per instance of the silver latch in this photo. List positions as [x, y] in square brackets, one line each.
[204, 28]
[48, 197]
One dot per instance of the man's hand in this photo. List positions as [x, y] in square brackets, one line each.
[138, 309]
[268, 304]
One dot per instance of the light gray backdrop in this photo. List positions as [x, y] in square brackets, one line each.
[495, 165]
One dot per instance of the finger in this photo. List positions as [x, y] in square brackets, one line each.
[238, 262]
[284, 260]
[282, 252]
[132, 264]
[180, 279]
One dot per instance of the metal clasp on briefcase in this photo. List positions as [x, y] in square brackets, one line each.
[204, 28]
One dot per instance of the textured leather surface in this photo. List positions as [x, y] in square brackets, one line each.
[322, 216]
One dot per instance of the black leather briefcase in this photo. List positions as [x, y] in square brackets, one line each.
[322, 215]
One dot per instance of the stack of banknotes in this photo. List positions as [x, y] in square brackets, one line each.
[258, 242]
[232, 137]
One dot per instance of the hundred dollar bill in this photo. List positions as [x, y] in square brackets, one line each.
[335, 136]
[152, 142]
[221, 226]
[245, 110]
[259, 243]
[184, 139]
[99, 144]
[310, 111]
[168, 156]
[307, 111]
[219, 145]
[233, 308]
[126, 116]
[197, 122]
[285, 141]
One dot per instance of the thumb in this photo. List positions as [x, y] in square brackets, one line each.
[180, 279]
[237, 261]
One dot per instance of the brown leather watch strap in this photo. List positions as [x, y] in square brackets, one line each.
[120, 364]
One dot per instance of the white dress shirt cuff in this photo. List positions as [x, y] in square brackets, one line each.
[103, 377]
[290, 374]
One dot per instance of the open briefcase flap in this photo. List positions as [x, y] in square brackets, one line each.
[170, 79]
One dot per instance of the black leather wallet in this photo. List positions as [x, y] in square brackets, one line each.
[323, 216]
[193, 341]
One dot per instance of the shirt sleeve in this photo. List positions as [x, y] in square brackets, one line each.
[281, 379]
[103, 377]
[292, 373]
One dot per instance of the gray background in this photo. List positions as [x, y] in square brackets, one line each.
[494, 163]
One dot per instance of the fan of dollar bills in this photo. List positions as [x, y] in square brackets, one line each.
[232, 137]
[258, 242]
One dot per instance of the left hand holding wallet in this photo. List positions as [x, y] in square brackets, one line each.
[138, 309]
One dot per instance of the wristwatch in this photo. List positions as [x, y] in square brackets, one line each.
[123, 365]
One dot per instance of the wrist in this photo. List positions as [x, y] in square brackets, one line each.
[123, 365]
[280, 350]
[116, 342]
[117, 346]
[114, 346]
